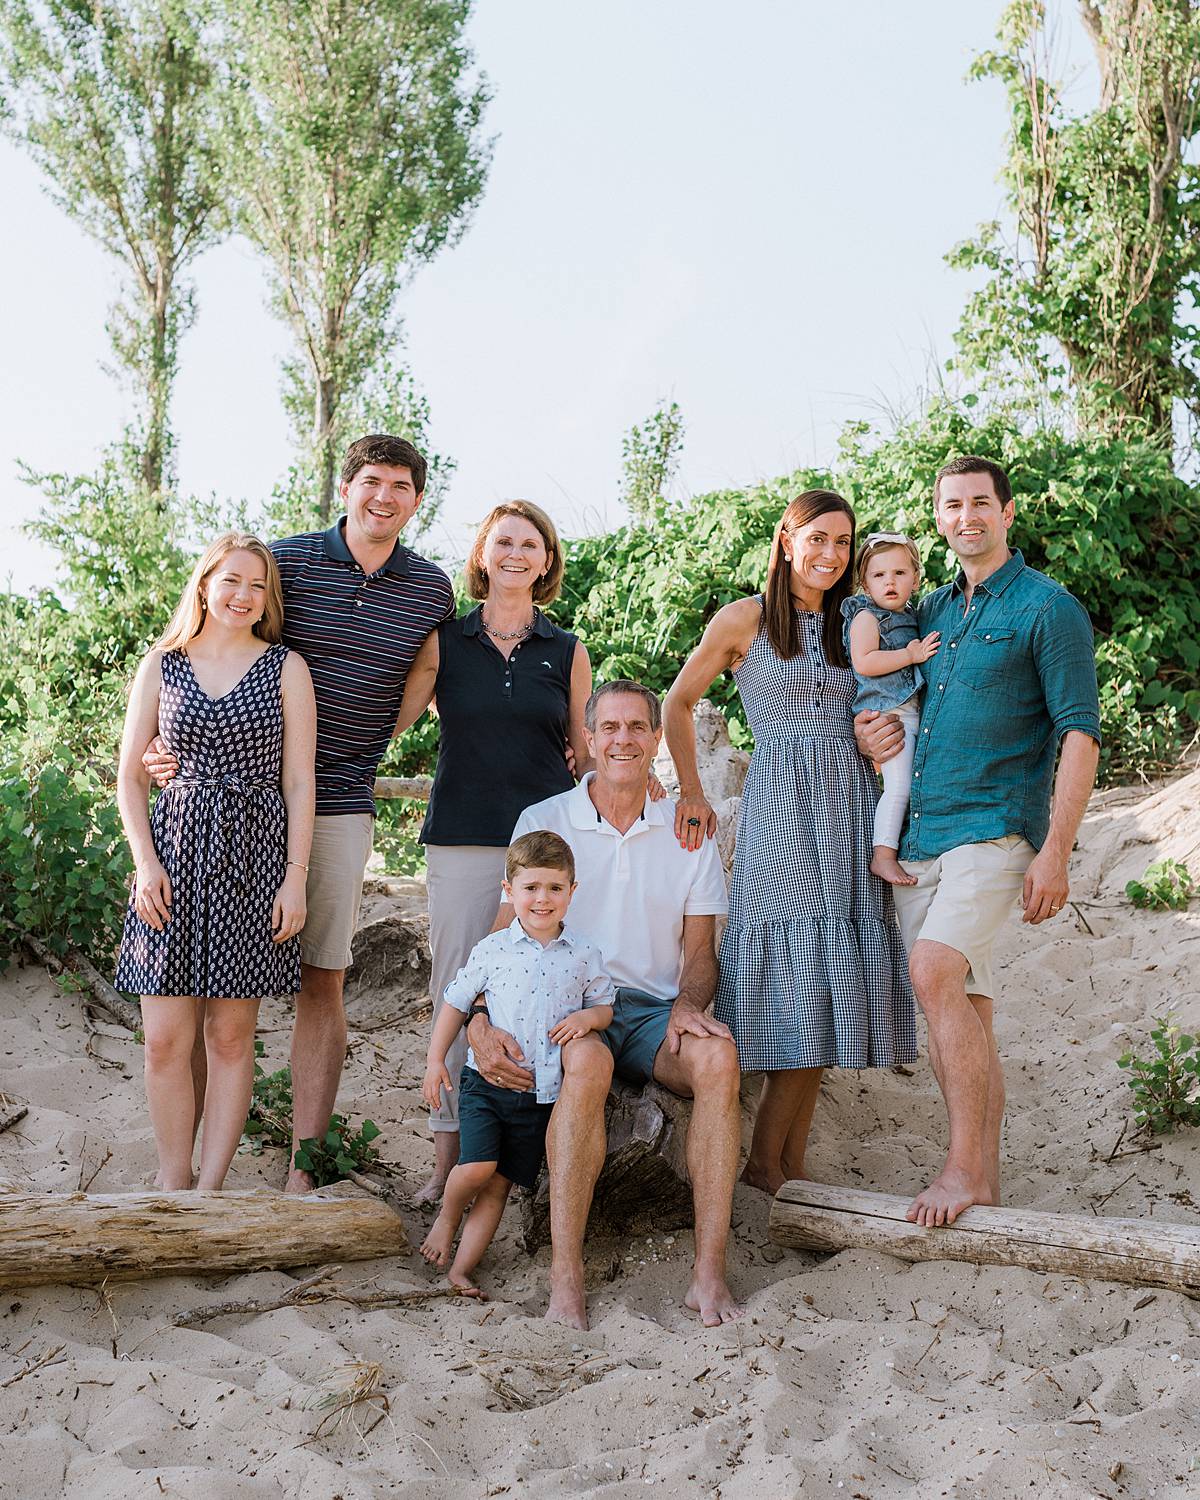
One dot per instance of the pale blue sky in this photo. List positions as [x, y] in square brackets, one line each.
[741, 209]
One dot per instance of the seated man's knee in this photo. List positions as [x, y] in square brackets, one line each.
[715, 1066]
[587, 1061]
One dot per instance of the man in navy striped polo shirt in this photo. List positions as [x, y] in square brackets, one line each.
[357, 607]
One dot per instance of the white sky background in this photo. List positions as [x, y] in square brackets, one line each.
[743, 210]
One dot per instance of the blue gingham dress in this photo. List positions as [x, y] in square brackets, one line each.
[813, 968]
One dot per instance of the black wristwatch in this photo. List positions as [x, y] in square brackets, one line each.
[478, 1009]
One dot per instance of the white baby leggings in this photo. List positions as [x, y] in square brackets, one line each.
[897, 779]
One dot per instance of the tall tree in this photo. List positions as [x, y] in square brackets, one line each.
[650, 454]
[1093, 297]
[114, 101]
[354, 141]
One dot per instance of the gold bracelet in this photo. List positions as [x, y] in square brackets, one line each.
[297, 862]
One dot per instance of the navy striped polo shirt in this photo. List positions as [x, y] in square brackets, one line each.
[359, 633]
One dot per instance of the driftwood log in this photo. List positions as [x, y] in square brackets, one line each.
[643, 1182]
[817, 1216]
[100, 992]
[89, 1238]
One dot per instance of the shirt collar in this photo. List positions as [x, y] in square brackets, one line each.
[473, 623]
[584, 813]
[517, 934]
[337, 550]
[995, 583]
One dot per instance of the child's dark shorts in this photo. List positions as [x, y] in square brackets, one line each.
[503, 1126]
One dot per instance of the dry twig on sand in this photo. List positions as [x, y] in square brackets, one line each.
[46, 1357]
[123, 1011]
[311, 1291]
[11, 1111]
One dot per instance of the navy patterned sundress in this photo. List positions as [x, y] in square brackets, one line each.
[813, 968]
[220, 831]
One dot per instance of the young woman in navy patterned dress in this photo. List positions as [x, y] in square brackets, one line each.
[218, 896]
[813, 968]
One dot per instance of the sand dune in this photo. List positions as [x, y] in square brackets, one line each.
[854, 1375]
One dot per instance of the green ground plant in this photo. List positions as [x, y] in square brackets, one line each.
[1165, 1085]
[269, 1123]
[1167, 885]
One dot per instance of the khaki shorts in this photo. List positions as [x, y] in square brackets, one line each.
[962, 899]
[341, 846]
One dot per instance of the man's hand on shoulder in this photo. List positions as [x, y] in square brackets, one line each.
[879, 736]
[684, 1021]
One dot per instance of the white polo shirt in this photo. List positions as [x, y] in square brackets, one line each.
[635, 888]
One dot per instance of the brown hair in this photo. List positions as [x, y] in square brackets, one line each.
[783, 628]
[189, 612]
[883, 541]
[971, 464]
[540, 850]
[622, 685]
[547, 586]
[391, 452]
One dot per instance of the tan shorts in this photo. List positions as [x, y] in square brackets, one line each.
[962, 899]
[341, 846]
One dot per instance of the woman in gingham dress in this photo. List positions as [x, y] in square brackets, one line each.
[813, 969]
[219, 892]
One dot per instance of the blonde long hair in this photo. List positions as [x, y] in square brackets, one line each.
[188, 618]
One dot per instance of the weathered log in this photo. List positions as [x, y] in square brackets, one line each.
[643, 1182]
[389, 976]
[818, 1216]
[87, 1238]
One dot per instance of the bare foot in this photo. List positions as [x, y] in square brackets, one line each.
[462, 1281]
[888, 867]
[431, 1192]
[439, 1241]
[760, 1177]
[299, 1182]
[568, 1301]
[947, 1195]
[710, 1296]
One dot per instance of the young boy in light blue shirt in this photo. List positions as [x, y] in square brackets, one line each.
[545, 985]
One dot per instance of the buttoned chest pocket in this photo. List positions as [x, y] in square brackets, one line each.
[993, 658]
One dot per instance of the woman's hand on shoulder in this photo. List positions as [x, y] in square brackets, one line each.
[695, 820]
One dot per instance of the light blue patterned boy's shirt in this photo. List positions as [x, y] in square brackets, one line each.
[531, 988]
[1015, 670]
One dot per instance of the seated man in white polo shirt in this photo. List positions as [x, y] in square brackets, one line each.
[650, 907]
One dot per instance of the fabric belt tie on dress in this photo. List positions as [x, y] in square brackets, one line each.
[232, 847]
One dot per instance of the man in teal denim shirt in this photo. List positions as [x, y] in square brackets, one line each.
[1012, 688]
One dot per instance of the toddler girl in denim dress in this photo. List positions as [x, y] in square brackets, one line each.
[885, 650]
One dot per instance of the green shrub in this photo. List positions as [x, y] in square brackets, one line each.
[1166, 885]
[1166, 1085]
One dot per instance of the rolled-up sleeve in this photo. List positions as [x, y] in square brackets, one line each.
[1064, 652]
[471, 980]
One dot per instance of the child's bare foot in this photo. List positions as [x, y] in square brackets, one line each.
[463, 1282]
[439, 1241]
[888, 867]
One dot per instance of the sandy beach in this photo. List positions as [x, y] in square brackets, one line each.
[853, 1375]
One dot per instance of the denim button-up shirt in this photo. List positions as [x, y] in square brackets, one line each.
[1015, 670]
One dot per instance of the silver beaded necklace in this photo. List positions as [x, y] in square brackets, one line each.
[507, 635]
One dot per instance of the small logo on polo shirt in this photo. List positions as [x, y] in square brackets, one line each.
[545, 664]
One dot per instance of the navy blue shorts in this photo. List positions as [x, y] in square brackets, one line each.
[503, 1126]
[638, 1030]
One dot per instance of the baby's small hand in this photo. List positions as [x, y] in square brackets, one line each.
[919, 651]
[436, 1078]
[578, 1023]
